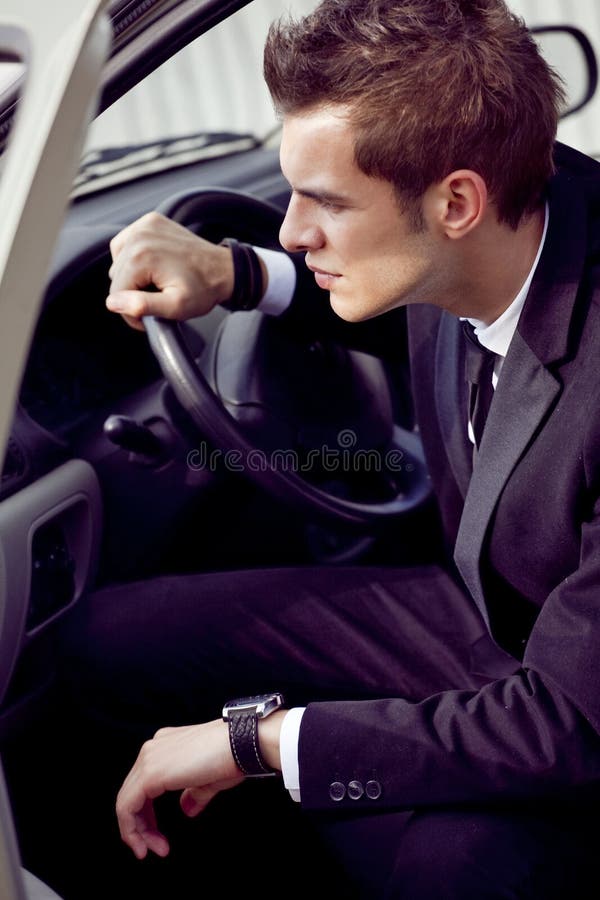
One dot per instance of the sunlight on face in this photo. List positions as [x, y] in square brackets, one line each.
[363, 249]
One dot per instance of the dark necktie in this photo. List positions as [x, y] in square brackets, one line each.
[479, 367]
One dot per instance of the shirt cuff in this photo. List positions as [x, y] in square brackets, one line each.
[288, 749]
[281, 283]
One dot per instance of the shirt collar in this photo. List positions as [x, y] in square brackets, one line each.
[498, 335]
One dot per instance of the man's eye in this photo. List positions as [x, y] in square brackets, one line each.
[331, 205]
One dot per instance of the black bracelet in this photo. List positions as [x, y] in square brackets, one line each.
[247, 277]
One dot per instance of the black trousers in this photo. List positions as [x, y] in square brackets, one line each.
[170, 651]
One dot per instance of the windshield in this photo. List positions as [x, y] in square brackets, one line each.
[208, 100]
[212, 85]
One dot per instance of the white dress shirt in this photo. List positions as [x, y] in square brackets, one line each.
[495, 337]
[281, 284]
[498, 335]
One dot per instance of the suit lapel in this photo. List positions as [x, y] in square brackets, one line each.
[527, 388]
[524, 395]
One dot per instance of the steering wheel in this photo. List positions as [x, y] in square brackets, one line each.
[283, 410]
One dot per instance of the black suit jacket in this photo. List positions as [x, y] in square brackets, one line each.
[525, 526]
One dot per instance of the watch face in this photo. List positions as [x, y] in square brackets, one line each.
[261, 704]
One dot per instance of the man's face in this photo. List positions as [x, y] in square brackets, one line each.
[363, 249]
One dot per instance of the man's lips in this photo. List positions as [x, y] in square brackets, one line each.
[324, 279]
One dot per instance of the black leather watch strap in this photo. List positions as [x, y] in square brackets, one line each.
[247, 277]
[243, 738]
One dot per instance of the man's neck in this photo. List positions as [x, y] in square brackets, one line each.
[496, 265]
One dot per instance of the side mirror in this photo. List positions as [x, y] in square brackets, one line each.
[569, 51]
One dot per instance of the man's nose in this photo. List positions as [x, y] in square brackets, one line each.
[298, 232]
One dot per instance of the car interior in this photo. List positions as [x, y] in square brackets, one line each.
[230, 442]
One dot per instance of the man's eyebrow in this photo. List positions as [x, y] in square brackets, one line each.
[323, 196]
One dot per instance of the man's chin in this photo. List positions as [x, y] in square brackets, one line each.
[350, 310]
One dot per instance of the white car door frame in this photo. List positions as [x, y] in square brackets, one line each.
[63, 45]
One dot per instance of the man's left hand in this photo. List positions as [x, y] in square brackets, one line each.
[195, 759]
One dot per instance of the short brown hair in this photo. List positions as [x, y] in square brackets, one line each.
[432, 86]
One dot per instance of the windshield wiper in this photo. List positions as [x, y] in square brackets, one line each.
[114, 165]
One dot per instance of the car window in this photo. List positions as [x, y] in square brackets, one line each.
[214, 84]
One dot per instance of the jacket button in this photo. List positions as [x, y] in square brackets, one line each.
[337, 791]
[373, 790]
[355, 790]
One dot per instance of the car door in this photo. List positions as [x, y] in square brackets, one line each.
[62, 47]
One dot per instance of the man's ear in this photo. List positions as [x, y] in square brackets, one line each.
[459, 203]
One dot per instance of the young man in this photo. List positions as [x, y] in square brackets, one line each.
[454, 739]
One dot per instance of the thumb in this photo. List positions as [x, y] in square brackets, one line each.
[137, 303]
[195, 799]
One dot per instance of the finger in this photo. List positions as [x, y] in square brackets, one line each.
[152, 838]
[135, 323]
[119, 240]
[136, 304]
[194, 800]
[137, 822]
[140, 838]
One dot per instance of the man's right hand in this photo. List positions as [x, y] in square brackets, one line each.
[161, 269]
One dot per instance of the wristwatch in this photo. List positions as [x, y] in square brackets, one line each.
[242, 716]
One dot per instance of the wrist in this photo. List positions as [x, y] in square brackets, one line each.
[269, 731]
[223, 275]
